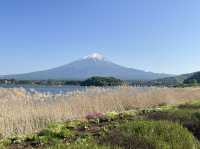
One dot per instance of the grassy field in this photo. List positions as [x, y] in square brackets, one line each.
[22, 112]
[158, 127]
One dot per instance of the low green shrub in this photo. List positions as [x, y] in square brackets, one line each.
[72, 124]
[189, 118]
[5, 142]
[84, 145]
[112, 115]
[58, 130]
[142, 134]
[190, 105]
[180, 115]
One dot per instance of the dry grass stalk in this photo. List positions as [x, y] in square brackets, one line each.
[24, 112]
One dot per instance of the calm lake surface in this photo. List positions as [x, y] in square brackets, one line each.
[48, 89]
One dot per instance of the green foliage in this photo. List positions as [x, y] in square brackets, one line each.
[72, 124]
[5, 142]
[59, 82]
[83, 145]
[157, 109]
[111, 115]
[127, 114]
[175, 81]
[102, 81]
[170, 81]
[151, 135]
[40, 82]
[57, 130]
[2, 146]
[191, 81]
[186, 114]
[160, 127]
[195, 105]
[194, 79]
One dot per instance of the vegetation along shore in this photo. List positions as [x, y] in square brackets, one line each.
[128, 114]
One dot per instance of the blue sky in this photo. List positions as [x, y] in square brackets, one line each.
[153, 35]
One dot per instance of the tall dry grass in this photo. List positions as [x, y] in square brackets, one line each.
[24, 112]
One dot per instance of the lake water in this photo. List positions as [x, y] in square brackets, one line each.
[46, 89]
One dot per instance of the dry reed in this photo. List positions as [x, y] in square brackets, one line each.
[23, 112]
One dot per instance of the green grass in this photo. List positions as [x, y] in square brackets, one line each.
[83, 145]
[187, 115]
[151, 135]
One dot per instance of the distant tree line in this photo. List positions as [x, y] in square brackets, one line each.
[93, 81]
[102, 81]
[193, 80]
[40, 82]
[158, 83]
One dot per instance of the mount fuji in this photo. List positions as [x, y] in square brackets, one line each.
[92, 65]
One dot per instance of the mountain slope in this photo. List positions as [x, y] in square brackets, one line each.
[92, 65]
[194, 78]
[172, 81]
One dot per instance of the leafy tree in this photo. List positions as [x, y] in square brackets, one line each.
[102, 81]
[193, 80]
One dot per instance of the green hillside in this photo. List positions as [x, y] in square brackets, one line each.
[194, 79]
[171, 81]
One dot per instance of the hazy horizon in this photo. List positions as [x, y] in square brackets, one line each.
[157, 36]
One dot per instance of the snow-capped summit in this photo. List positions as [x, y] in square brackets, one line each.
[91, 65]
[95, 56]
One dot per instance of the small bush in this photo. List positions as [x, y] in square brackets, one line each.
[151, 135]
[191, 105]
[72, 124]
[56, 130]
[187, 114]
[173, 115]
[84, 145]
[54, 134]
[111, 115]
[5, 142]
